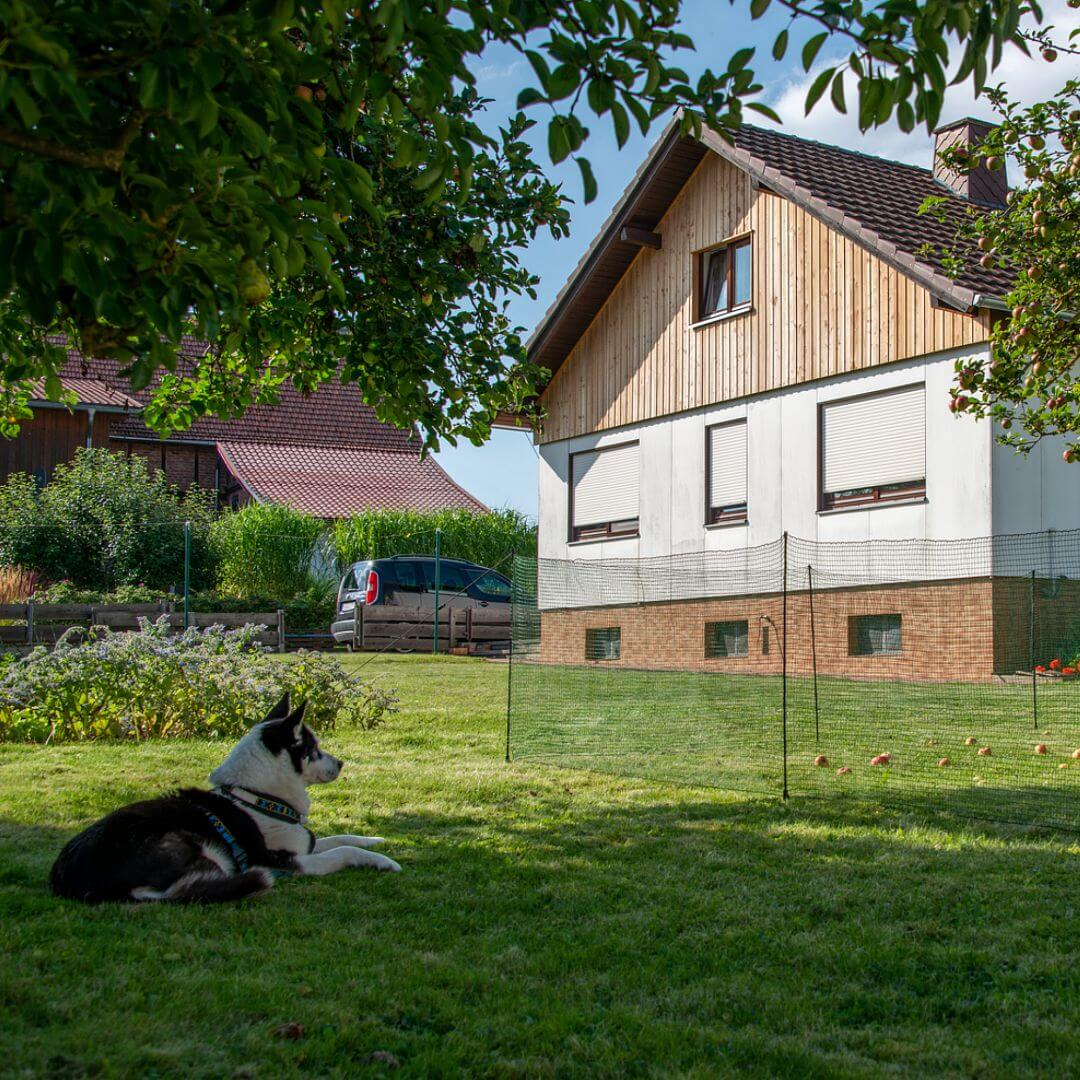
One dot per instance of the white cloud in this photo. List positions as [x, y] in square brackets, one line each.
[1027, 80]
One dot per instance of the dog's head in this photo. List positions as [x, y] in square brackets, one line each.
[286, 736]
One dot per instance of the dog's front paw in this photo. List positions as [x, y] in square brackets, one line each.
[382, 863]
[368, 841]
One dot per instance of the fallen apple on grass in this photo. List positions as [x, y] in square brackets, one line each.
[843, 770]
[881, 759]
[821, 761]
[970, 740]
[984, 751]
[1041, 748]
[944, 763]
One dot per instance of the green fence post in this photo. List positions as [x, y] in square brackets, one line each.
[187, 573]
[438, 582]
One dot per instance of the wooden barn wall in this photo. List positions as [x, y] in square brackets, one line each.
[821, 306]
[51, 437]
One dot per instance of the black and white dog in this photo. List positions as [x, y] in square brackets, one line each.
[223, 844]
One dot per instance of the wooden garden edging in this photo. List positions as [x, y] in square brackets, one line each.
[407, 628]
[43, 624]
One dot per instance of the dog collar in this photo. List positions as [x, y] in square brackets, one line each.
[275, 808]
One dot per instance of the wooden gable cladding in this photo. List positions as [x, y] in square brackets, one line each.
[822, 305]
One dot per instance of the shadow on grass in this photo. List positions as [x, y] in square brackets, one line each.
[555, 927]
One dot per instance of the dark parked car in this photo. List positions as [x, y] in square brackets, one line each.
[409, 581]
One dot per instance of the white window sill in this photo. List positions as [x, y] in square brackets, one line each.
[728, 524]
[602, 540]
[873, 506]
[723, 316]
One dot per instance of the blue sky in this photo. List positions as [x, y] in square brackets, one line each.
[503, 472]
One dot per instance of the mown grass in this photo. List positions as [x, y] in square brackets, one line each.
[726, 731]
[547, 923]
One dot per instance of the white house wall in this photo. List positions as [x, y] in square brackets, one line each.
[782, 446]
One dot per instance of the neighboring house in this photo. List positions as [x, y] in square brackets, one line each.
[326, 453]
[758, 342]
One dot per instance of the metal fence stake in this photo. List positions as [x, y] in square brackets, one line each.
[813, 650]
[1031, 654]
[783, 667]
[187, 573]
[438, 583]
[510, 652]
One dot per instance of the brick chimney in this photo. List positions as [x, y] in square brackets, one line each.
[988, 187]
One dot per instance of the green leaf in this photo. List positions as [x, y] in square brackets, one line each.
[837, 93]
[817, 88]
[622, 124]
[811, 49]
[587, 179]
[558, 143]
[780, 45]
[563, 81]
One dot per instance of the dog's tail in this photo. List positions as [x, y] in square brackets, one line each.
[210, 888]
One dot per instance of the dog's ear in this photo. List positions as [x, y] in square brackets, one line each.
[296, 719]
[280, 710]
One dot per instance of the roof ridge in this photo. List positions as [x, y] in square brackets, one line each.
[929, 173]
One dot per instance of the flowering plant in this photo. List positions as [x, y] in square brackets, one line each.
[157, 684]
[1055, 665]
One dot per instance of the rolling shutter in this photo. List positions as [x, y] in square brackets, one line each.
[875, 440]
[727, 464]
[605, 485]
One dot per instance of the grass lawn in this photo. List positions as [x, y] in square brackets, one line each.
[547, 923]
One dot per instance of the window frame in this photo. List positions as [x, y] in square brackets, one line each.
[602, 530]
[745, 623]
[853, 634]
[910, 491]
[617, 631]
[701, 261]
[736, 513]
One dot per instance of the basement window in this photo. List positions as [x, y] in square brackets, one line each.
[874, 635]
[723, 279]
[725, 639]
[603, 643]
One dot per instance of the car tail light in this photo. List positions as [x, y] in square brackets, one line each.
[372, 587]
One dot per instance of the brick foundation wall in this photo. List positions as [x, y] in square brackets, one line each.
[970, 629]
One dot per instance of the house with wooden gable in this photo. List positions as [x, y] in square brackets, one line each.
[759, 342]
[325, 453]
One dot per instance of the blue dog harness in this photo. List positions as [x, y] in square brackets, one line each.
[239, 855]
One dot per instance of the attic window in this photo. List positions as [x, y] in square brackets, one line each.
[723, 277]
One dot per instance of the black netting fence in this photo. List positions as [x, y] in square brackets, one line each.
[941, 673]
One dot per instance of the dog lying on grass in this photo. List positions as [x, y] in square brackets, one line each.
[224, 844]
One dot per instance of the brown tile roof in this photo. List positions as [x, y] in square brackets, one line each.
[332, 482]
[334, 415]
[872, 200]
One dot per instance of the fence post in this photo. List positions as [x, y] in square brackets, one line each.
[280, 629]
[438, 582]
[1031, 656]
[783, 666]
[187, 573]
[813, 650]
[510, 653]
[30, 621]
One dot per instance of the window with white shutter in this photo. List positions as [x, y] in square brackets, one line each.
[873, 449]
[604, 493]
[725, 472]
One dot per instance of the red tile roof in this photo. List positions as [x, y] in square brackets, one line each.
[334, 415]
[333, 481]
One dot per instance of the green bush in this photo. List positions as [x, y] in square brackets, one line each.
[104, 521]
[154, 684]
[487, 539]
[265, 549]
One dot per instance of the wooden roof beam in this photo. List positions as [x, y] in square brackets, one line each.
[630, 234]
